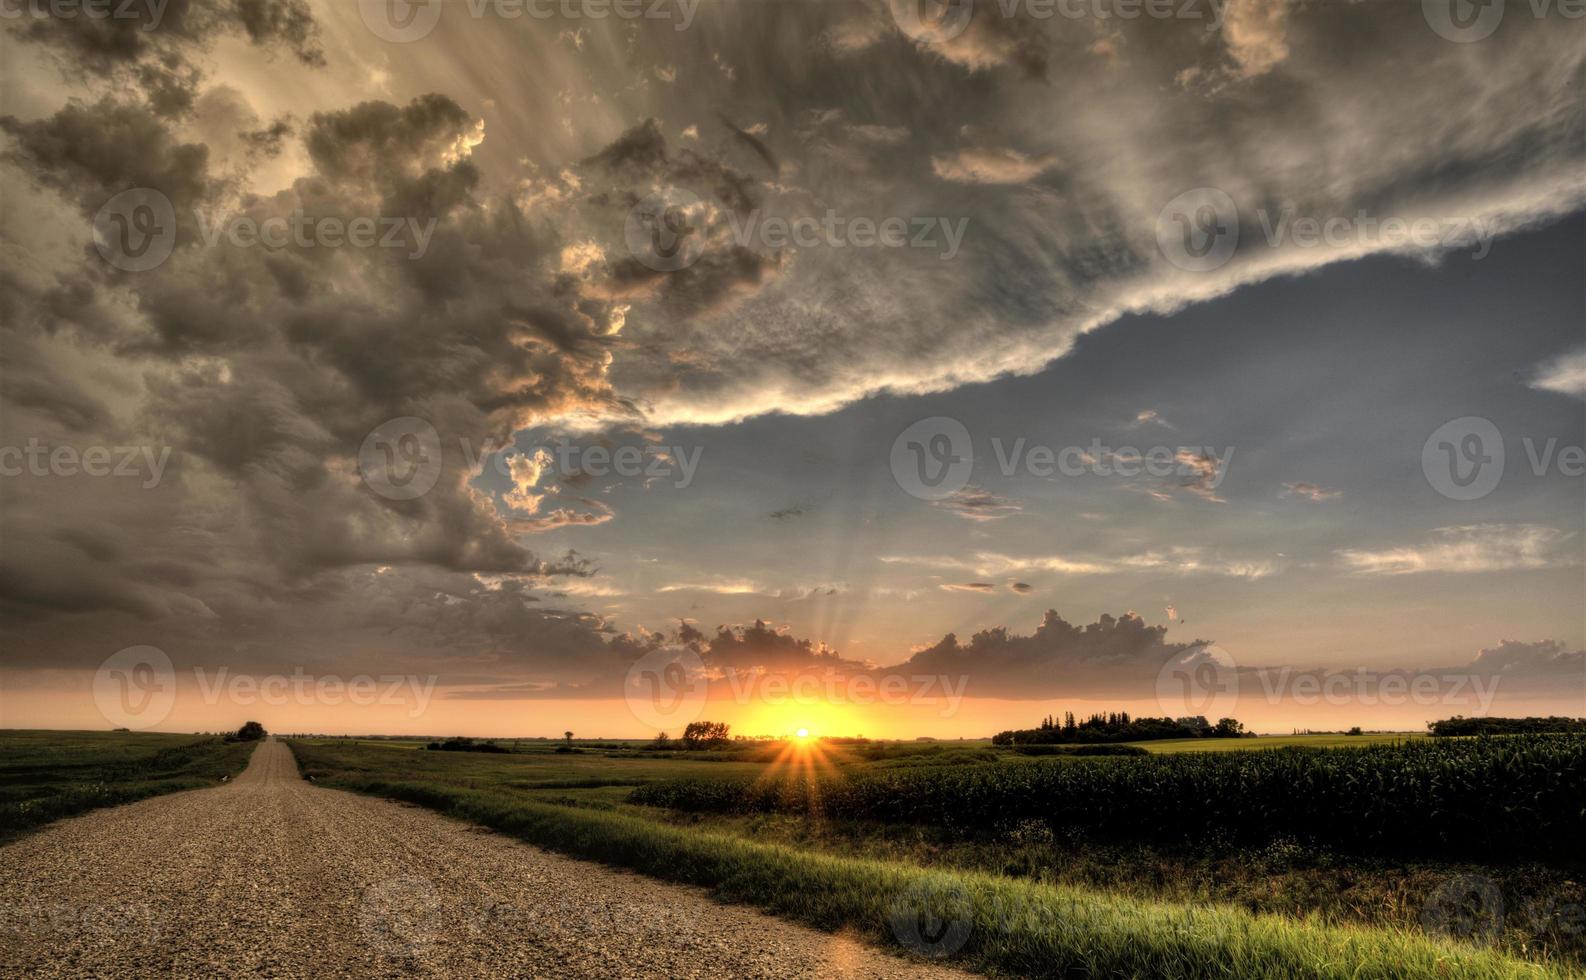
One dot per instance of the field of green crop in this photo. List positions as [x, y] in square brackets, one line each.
[45, 776]
[1038, 902]
[1503, 797]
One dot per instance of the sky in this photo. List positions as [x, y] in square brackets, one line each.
[874, 367]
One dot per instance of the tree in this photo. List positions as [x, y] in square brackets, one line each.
[1228, 728]
[662, 741]
[705, 734]
[568, 736]
[251, 731]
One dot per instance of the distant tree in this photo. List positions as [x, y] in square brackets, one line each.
[1459, 725]
[1353, 731]
[705, 734]
[568, 737]
[1227, 728]
[250, 731]
[662, 741]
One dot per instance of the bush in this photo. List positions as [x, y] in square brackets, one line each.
[250, 731]
[460, 743]
[1460, 725]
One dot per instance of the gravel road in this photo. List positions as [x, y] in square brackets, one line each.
[273, 876]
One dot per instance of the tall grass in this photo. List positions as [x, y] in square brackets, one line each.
[1498, 798]
[996, 924]
[46, 776]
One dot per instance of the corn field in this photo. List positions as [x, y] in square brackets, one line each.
[1481, 798]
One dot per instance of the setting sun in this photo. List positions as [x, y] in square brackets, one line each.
[803, 733]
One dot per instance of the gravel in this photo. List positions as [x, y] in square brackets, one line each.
[272, 876]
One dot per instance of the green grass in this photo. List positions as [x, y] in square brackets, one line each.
[1016, 925]
[45, 776]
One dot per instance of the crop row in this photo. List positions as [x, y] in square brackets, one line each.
[1486, 798]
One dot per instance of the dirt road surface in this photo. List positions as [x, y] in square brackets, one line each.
[273, 876]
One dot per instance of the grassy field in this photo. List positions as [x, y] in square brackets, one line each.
[45, 776]
[1022, 898]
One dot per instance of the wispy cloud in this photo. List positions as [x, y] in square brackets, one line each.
[1565, 374]
[1174, 561]
[975, 504]
[1468, 548]
[1310, 491]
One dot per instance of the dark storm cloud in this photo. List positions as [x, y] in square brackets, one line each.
[1114, 656]
[168, 29]
[263, 368]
